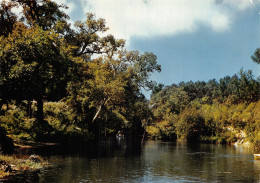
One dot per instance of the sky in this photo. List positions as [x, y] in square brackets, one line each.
[192, 39]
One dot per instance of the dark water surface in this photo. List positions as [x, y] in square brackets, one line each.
[153, 161]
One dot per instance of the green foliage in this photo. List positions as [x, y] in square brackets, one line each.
[256, 56]
[190, 125]
[153, 131]
[44, 13]
[218, 112]
[66, 124]
[13, 120]
[58, 90]
[164, 130]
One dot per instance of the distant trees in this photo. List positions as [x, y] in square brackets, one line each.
[204, 110]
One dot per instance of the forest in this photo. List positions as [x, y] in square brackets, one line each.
[67, 83]
[223, 111]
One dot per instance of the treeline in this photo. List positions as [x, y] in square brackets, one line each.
[59, 83]
[215, 111]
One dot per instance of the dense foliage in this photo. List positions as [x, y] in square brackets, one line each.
[59, 83]
[218, 111]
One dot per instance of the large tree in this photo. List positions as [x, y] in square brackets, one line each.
[34, 65]
[42, 58]
[39, 49]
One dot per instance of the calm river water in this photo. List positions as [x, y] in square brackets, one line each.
[153, 161]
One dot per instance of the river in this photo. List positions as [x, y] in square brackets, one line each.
[152, 161]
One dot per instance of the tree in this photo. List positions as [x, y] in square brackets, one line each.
[248, 87]
[43, 13]
[157, 88]
[37, 63]
[42, 58]
[6, 143]
[256, 56]
[85, 38]
[42, 49]
[111, 75]
[190, 125]
[7, 18]
[212, 89]
[169, 101]
[29, 48]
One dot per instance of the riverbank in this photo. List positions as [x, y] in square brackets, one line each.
[11, 165]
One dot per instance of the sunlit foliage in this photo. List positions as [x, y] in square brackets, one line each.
[215, 111]
[59, 82]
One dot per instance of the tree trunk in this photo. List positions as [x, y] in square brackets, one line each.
[40, 116]
[29, 108]
[7, 105]
[6, 143]
[97, 113]
[106, 126]
[1, 105]
[103, 103]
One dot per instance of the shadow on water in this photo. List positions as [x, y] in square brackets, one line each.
[107, 147]
[26, 177]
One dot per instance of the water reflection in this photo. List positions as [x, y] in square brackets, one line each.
[123, 160]
[203, 162]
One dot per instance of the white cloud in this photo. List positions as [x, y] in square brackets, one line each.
[128, 18]
[239, 4]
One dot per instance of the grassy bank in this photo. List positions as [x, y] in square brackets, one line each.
[13, 165]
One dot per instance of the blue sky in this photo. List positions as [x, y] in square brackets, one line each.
[193, 39]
